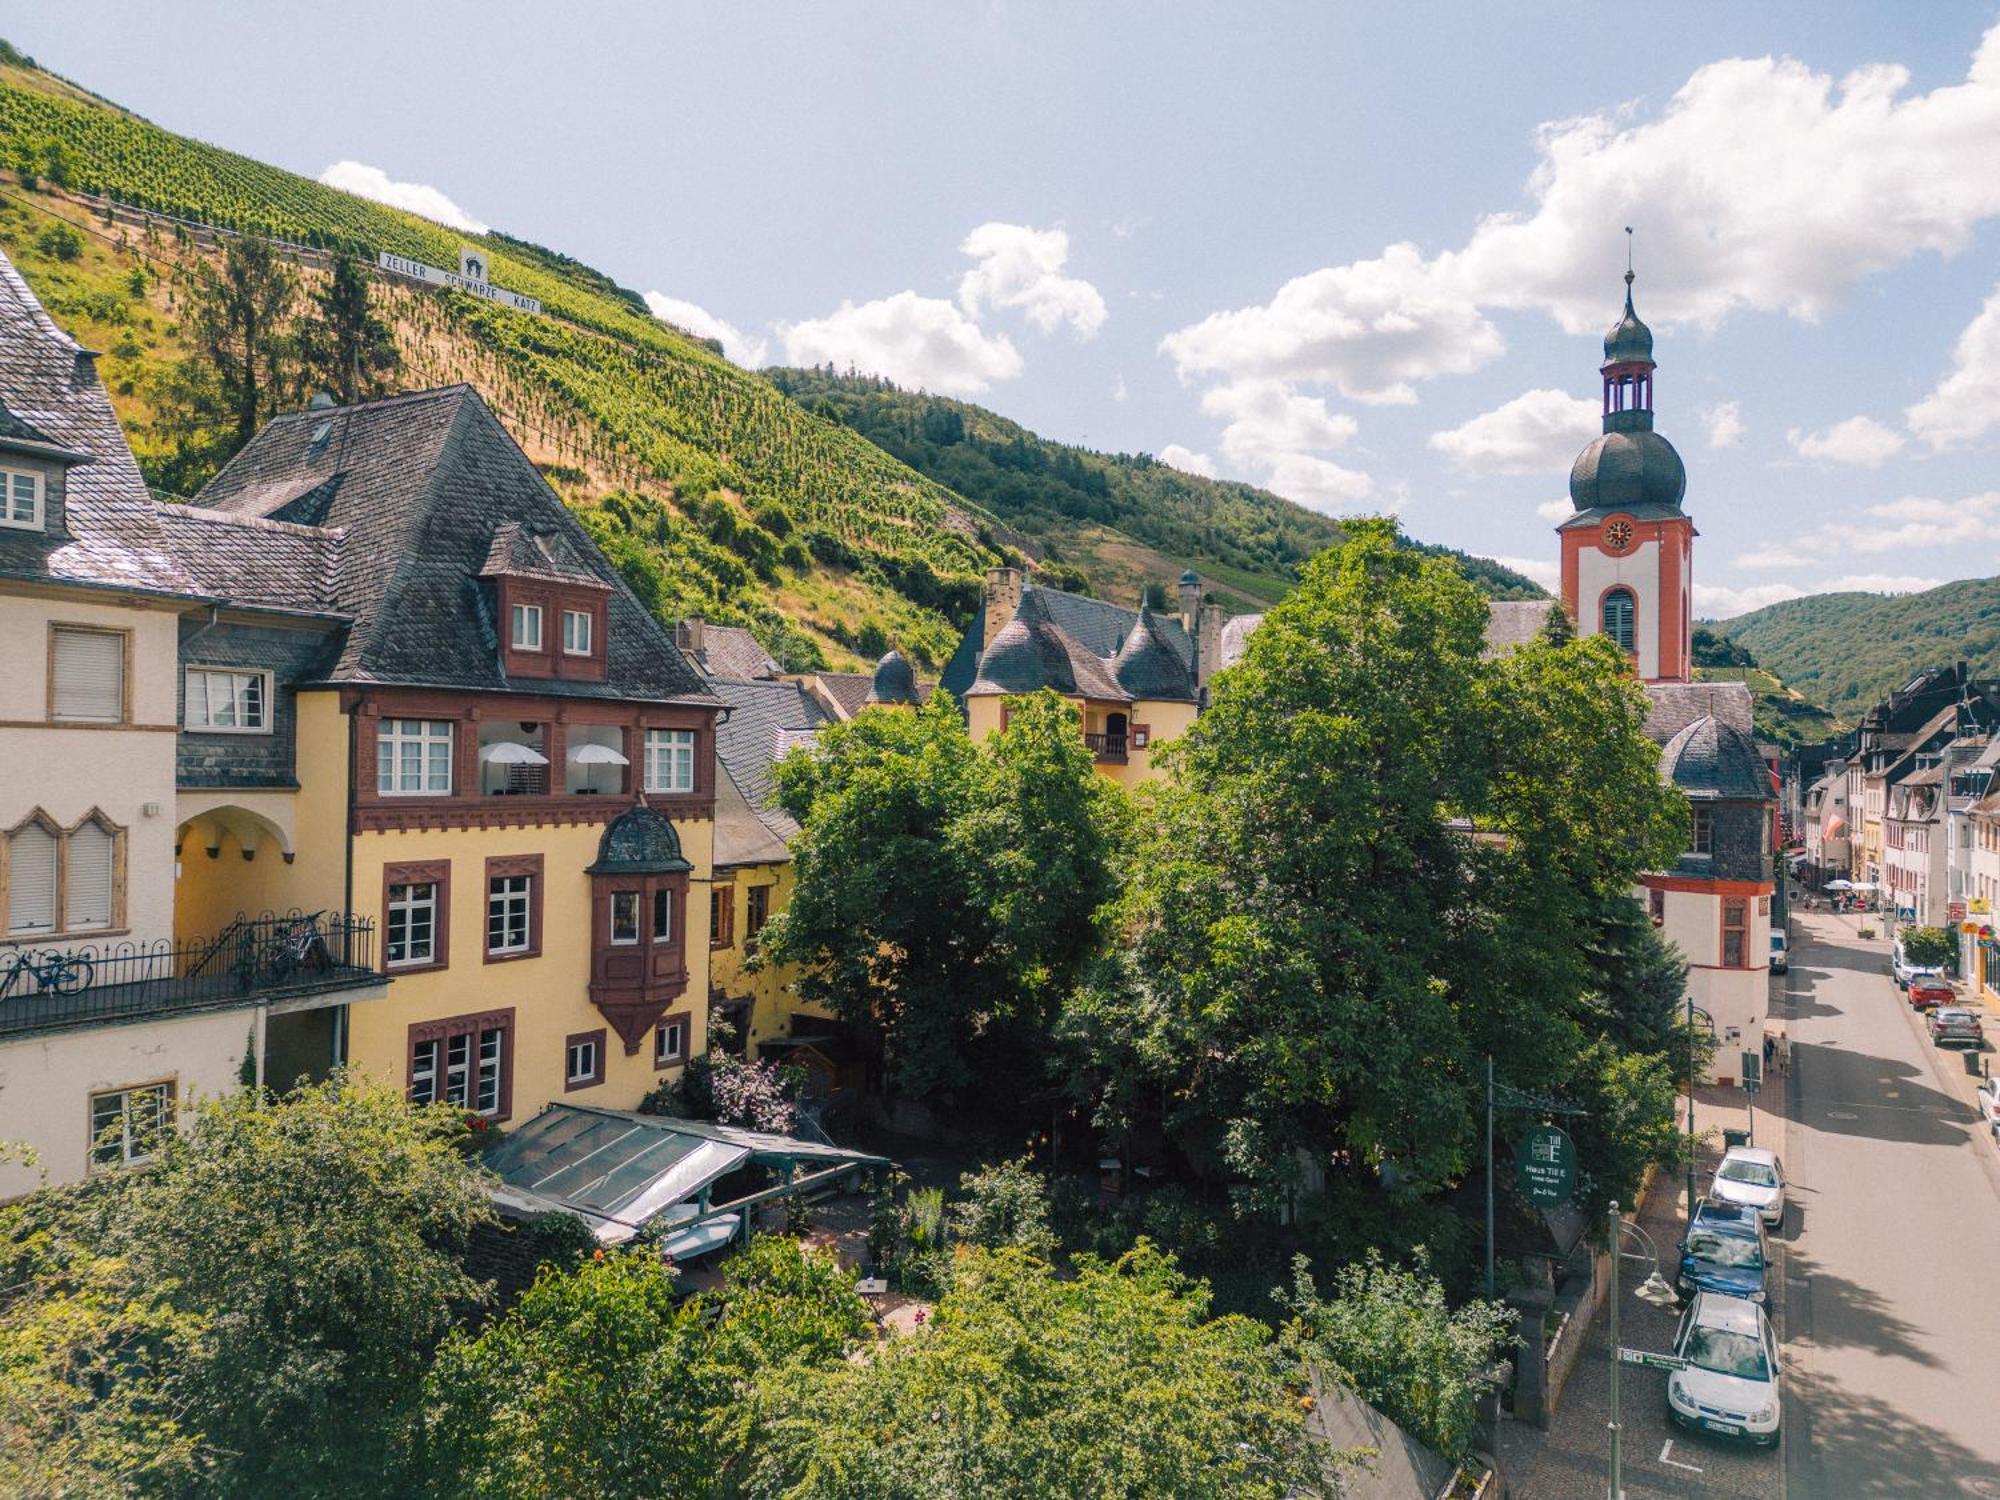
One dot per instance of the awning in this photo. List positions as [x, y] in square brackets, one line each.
[1836, 827]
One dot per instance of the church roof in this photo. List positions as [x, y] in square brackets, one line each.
[1637, 472]
[1710, 760]
[1675, 705]
[1630, 341]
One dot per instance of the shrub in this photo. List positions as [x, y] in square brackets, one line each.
[1005, 1205]
[60, 242]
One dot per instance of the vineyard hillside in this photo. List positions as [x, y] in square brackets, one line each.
[714, 490]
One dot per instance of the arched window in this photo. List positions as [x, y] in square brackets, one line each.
[1618, 614]
[87, 888]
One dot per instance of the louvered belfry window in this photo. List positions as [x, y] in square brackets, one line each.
[87, 676]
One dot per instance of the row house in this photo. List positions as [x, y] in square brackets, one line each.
[1824, 813]
[119, 1003]
[430, 702]
[1921, 716]
[1979, 953]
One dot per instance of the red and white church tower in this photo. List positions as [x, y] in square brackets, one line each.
[1628, 552]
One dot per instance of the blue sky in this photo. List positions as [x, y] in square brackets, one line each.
[1362, 253]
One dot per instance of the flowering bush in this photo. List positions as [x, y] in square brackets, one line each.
[730, 1091]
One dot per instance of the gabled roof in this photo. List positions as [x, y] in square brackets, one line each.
[731, 652]
[50, 388]
[430, 491]
[766, 720]
[848, 690]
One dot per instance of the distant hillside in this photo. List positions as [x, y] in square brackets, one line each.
[1121, 519]
[1847, 650]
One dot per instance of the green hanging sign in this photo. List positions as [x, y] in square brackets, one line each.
[1545, 1166]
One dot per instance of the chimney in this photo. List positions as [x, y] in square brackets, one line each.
[1190, 600]
[689, 636]
[1207, 643]
[1003, 597]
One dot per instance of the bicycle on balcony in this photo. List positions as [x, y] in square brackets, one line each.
[294, 947]
[54, 973]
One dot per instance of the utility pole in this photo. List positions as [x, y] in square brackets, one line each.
[1489, 1177]
[1617, 1455]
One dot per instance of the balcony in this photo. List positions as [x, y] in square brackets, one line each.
[1108, 748]
[251, 961]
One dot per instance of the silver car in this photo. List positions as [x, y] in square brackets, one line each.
[1751, 1178]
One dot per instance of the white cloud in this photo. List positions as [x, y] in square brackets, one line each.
[365, 181]
[1317, 483]
[1556, 510]
[1967, 401]
[1118, 391]
[1714, 603]
[1859, 440]
[1022, 267]
[1543, 570]
[1725, 424]
[744, 350]
[1877, 583]
[1266, 419]
[1369, 329]
[1538, 432]
[913, 340]
[1187, 460]
[1772, 556]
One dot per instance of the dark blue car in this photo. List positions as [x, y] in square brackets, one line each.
[1724, 1252]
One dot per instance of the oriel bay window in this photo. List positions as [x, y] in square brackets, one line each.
[639, 887]
[466, 1061]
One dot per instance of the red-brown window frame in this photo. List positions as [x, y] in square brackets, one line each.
[420, 872]
[722, 916]
[498, 865]
[601, 1037]
[684, 1020]
[473, 1022]
[1740, 929]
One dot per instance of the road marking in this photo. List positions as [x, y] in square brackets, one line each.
[1666, 1449]
[1841, 1114]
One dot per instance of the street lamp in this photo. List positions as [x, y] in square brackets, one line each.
[1652, 1290]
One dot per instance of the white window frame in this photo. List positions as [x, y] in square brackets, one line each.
[408, 905]
[39, 501]
[628, 900]
[520, 618]
[577, 625]
[390, 738]
[574, 1076]
[664, 1056]
[511, 898]
[161, 1108]
[670, 760]
[206, 724]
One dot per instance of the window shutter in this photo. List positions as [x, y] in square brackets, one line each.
[88, 891]
[31, 905]
[90, 676]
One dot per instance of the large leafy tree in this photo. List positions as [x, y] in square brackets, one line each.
[1380, 856]
[948, 893]
[347, 348]
[240, 323]
[1115, 1380]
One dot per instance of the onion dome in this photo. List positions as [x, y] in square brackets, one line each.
[1710, 760]
[894, 681]
[1628, 470]
[1629, 341]
[1147, 667]
[639, 841]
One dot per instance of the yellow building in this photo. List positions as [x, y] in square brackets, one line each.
[1136, 677]
[475, 738]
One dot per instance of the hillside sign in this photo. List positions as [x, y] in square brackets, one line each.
[1545, 1166]
[469, 277]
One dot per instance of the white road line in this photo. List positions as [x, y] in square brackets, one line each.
[1666, 1450]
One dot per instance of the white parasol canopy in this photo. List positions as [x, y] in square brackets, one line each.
[597, 755]
[508, 753]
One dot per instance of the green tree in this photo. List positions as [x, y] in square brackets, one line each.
[1929, 945]
[1007, 1204]
[348, 349]
[1113, 1381]
[1388, 1334]
[312, 1240]
[240, 321]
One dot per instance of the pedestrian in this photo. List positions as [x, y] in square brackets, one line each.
[1770, 1049]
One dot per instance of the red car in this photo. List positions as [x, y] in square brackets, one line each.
[1927, 990]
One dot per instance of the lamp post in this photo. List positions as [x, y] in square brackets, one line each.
[1653, 1290]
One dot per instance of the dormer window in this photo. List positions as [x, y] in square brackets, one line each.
[21, 499]
[576, 632]
[527, 627]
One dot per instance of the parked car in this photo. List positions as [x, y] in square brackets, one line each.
[1730, 1383]
[1724, 1251]
[1955, 1026]
[1988, 1099]
[1904, 971]
[1927, 990]
[1780, 961]
[1753, 1178]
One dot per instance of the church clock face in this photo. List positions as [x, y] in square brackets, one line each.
[1618, 535]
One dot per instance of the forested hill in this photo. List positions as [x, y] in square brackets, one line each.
[1847, 650]
[1118, 519]
[714, 491]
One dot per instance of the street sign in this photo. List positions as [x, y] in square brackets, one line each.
[1650, 1360]
[1545, 1166]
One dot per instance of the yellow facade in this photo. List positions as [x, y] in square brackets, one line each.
[770, 988]
[1162, 721]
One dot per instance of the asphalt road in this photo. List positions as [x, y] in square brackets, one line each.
[1892, 1318]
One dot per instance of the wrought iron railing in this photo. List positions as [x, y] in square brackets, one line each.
[264, 957]
[1106, 746]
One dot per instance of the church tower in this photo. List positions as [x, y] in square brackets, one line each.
[1628, 552]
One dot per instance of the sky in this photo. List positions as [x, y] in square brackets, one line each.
[1363, 254]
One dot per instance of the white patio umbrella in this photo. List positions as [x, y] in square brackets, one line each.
[508, 753]
[1840, 885]
[596, 755]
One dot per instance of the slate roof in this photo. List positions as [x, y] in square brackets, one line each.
[518, 551]
[1710, 760]
[731, 652]
[50, 388]
[639, 841]
[1032, 652]
[429, 489]
[1235, 638]
[272, 563]
[1402, 1467]
[1512, 623]
[1099, 627]
[849, 690]
[1678, 704]
[1147, 667]
[765, 721]
[894, 681]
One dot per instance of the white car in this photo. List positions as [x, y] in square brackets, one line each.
[1751, 1178]
[1780, 957]
[1904, 971]
[1729, 1384]
[1988, 1099]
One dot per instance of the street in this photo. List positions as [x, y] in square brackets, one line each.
[1892, 1325]
[1881, 1295]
